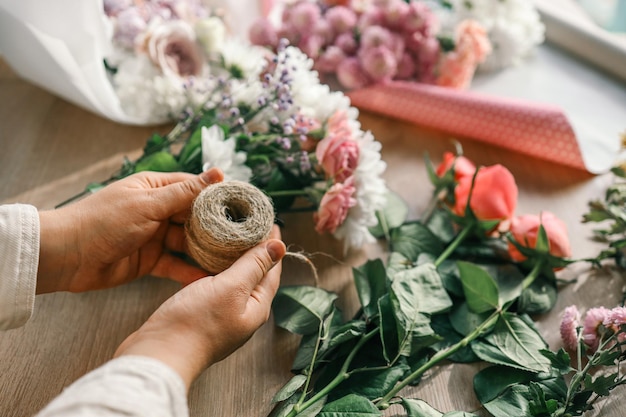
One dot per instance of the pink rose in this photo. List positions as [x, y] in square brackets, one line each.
[333, 208]
[494, 196]
[525, 229]
[338, 153]
[171, 45]
[463, 167]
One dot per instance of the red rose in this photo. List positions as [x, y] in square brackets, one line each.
[463, 167]
[494, 196]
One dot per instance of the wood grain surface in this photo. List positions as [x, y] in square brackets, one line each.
[51, 149]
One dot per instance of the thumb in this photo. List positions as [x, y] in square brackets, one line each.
[255, 271]
[176, 197]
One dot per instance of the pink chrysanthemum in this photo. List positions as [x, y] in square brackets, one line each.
[594, 318]
[569, 327]
[616, 319]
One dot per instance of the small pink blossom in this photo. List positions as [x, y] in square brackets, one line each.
[373, 16]
[341, 19]
[129, 24]
[304, 16]
[338, 153]
[262, 33]
[379, 63]
[594, 318]
[406, 67]
[351, 75]
[330, 59]
[334, 207]
[374, 36]
[172, 46]
[419, 18]
[311, 45]
[396, 13]
[616, 319]
[347, 43]
[569, 327]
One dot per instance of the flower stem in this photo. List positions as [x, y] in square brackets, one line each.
[455, 243]
[342, 375]
[383, 403]
[285, 193]
[533, 274]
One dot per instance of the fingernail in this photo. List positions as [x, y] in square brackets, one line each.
[211, 176]
[276, 250]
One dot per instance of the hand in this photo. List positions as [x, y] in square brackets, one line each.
[124, 231]
[210, 318]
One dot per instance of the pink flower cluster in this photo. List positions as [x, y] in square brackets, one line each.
[598, 324]
[382, 40]
[338, 154]
[161, 29]
[494, 197]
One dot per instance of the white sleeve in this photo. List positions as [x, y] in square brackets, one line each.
[129, 386]
[19, 259]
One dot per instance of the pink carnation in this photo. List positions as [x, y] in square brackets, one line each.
[347, 43]
[304, 16]
[419, 18]
[569, 328]
[334, 207]
[594, 318]
[373, 36]
[338, 153]
[341, 19]
[396, 13]
[379, 63]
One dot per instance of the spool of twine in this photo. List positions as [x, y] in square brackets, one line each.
[227, 219]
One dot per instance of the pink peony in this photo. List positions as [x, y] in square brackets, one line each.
[594, 318]
[171, 45]
[334, 207]
[338, 153]
[494, 196]
[351, 75]
[569, 328]
[526, 228]
[463, 167]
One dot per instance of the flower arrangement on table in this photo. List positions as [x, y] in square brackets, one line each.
[262, 118]
[368, 42]
[460, 284]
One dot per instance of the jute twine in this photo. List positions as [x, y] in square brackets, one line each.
[227, 219]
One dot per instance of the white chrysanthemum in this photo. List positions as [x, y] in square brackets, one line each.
[242, 59]
[370, 193]
[514, 28]
[220, 153]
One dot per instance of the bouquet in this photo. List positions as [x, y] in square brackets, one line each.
[262, 118]
[461, 284]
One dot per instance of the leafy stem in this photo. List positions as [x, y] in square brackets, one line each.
[383, 403]
[341, 376]
[455, 243]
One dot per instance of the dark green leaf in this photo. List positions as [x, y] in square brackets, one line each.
[301, 309]
[460, 414]
[542, 244]
[414, 238]
[350, 406]
[508, 279]
[284, 408]
[419, 408]
[388, 328]
[492, 381]
[442, 226]
[373, 383]
[371, 284]
[515, 343]
[391, 216]
[397, 262]
[602, 384]
[305, 352]
[559, 360]
[465, 321]
[154, 144]
[289, 388]
[314, 409]
[441, 325]
[481, 292]
[450, 278]
[512, 402]
[539, 297]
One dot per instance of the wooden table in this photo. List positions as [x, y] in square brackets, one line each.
[51, 149]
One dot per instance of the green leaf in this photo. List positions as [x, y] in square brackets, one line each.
[465, 321]
[190, 150]
[559, 360]
[515, 343]
[542, 244]
[372, 383]
[512, 402]
[314, 409]
[289, 388]
[602, 384]
[154, 144]
[397, 262]
[371, 284]
[539, 297]
[481, 291]
[449, 273]
[492, 381]
[440, 323]
[391, 216]
[460, 414]
[160, 161]
[301, 309]
[442, 226]
[415, 294]
[419, 408]
[285, 407]
[414, 238]
[351, 405]
[305, 352]
[509, 279]
[388, 328]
